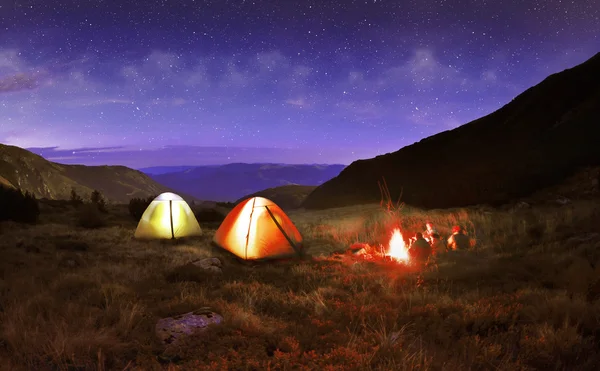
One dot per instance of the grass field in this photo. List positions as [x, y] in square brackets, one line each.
[524, 299]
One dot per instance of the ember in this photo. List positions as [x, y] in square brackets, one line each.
[397, 248]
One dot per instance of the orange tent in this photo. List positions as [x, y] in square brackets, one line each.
[258, 229]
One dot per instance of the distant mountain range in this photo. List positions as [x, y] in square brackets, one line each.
[22, 169]
[287, 197]
[228, 183]
[156, 170]
[537, 140]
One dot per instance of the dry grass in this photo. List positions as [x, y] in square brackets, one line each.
[88, 299]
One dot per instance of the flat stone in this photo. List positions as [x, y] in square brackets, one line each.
[213, 265]
[172, 329]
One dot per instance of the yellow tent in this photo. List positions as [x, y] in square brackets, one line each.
[258, 229]
[168, 216]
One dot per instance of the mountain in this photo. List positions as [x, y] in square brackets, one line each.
[30, 172]
[540, 138]
[232, 181]
[155, 170]
[287, 197]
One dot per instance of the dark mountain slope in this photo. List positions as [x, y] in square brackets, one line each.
[541, 137]
[30, 172]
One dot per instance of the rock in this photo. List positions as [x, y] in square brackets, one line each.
[171, 330]
[196, 271]
[359, 249]
[212, 265]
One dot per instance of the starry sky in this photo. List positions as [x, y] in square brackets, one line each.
[184, 82]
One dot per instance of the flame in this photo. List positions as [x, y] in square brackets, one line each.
[397, 249]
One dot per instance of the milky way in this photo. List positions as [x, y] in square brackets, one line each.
[199, 82]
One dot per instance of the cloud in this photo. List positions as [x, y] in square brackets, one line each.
[10, 61]
[61, 151]
[489, 75]
[272, 60]
[361, 110]
[297, 102]
[189, 155]
[174, 102]
[159, 77]
[422, 69]
[18, 82]
[88, 102]
[219, 89]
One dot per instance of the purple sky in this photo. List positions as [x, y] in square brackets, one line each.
[208, 82]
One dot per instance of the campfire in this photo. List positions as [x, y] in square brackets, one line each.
[397, 249]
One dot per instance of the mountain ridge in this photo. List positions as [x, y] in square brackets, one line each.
[229, 182]
[30, 172]
[506, 154]
[287, 197]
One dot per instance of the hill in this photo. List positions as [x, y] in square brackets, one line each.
[233, 181]
[287, 197]
[30, 172]
[537, 140]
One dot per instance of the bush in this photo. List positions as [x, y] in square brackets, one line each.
[209, 216]
[229, 205]
[137, 206]
[75, 198]
[18, 207]
[98, 200]
[89, 216]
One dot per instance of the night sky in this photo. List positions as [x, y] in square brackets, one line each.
[185, 82]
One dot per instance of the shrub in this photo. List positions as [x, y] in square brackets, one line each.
[229, 205]
[75, 198]
[209, 216]
[18, 207]
[89, 216]
[137, 206]
[98, 200]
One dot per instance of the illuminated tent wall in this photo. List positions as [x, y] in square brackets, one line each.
[258, 229]
[168, 216]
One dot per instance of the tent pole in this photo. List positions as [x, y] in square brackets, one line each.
[171, 215]
[289, 240]
[249, 224]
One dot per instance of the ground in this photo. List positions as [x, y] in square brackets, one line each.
[88, 299]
